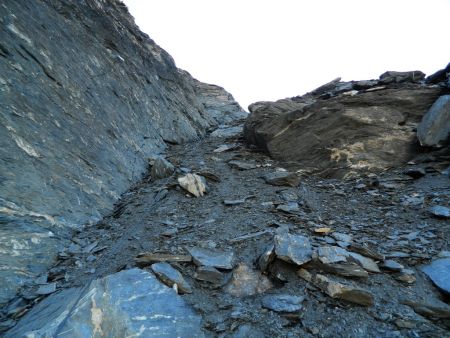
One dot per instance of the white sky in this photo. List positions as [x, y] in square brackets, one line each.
[268, 50]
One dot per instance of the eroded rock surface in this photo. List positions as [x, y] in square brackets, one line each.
[85, 99]
[338, 131]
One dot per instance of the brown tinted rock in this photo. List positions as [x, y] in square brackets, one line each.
[338, 290]
[210, 274]
[370, 131]
[149, 258]
[436, 309]
[340, 269]
[247, 282]
[398, 77]
[366, 251]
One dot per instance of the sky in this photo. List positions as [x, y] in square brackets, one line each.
[263, 50]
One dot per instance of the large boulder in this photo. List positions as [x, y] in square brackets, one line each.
[130, 303]
[343, 133]
[85, 99]
[434, 128]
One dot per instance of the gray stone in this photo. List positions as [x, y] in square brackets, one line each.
[170, 276]
[46, 289]
[332, 254]
[290, 207]
[128, 303]
[161, 168]
[338, 290]
[207, 257]
[282, 303]
[282, 178]
[440, 211]
[392, 265]
[241, 165]
[439, 273]
[435, 125]
[415, 172]
[366, 263]
[247, 331]
[431, 309]
[293, 248]
[227, 132]
[266, 257]
[338, 236]
[211, 275]
[398, 77]
[340, 269]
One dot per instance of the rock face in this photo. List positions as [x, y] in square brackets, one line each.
[337, 130]
[85, 99]
[130, 303]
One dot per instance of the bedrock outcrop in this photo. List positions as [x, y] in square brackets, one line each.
[345, 128]
[85, 99]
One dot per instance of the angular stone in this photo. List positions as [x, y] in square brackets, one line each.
[282, 178]
[392, 265]
[225, 147]
[340, 269]
[206, 257]
[170, 276]
[128, 303]
[194, 184]
[364, 262]
[290, 208]
[332, 254]
[46, 289]
[338, 290]
[282, 303]
[398, 77]
[439, 273]
[161, 169]
[145, 259]
[266, 257]
[211, 275]
[437, 309]
[339, 236]
[293, 248]
[227, 132]
[247, 282]
[440, 211]
[366, 251]
[241, 165]
[435, 125]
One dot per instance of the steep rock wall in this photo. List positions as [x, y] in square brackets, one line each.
[85, 99]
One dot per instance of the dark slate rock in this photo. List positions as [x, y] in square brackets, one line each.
[392, 265]
[86, 99]
[282, 303]
[170, 276]
[435, 125]
[128, 303]
[398, 77]
[439, 273]
[293, 248]
[206, 257]
[247, 331]
[440, 211]
[282, 178]
[440, 76]
[415, 172]
[332, 254]
[211, 275]
[161, 168]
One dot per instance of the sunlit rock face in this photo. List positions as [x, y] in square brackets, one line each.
[344, 128]
[85, 99]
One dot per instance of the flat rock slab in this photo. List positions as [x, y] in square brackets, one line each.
[149, 258]
[247, 282]
[282, 303]
[439, 273]
[211, 275]
[293, 248]
[227, 132]
[440, 211]
[332, 254]
[242, 165]
[282, 178]
[171, 276]
[206, 257]
[128, 303]
[161, 169]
